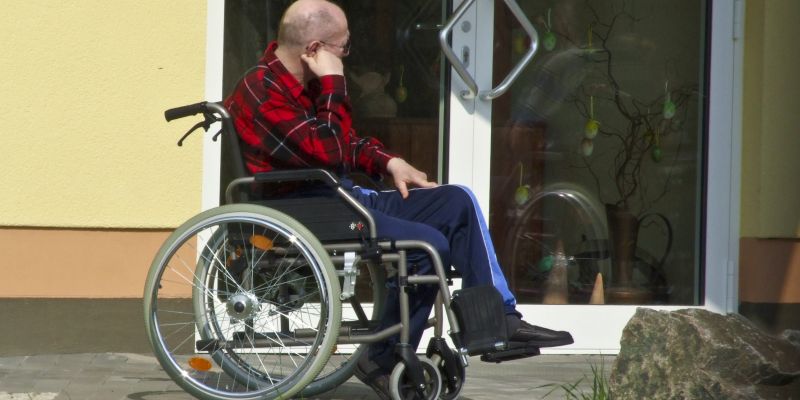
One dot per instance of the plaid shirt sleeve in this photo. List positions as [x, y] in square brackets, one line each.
[284, 125]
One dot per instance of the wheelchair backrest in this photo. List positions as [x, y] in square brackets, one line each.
[329, 217]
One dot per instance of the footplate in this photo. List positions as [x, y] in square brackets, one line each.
[515, 351]
[480, 316]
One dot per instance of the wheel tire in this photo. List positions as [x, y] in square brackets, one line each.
[401, 389]
[448, 393]
[195, 291]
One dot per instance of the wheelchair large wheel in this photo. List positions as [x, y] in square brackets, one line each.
[342, 363]
[242, 302]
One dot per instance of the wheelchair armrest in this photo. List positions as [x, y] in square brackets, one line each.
[298, 175]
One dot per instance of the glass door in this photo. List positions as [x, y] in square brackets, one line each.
[592, 162]
[620, 129]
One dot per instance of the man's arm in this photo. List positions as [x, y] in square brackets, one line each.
[405, 175]
[307, 134]
[368, 153]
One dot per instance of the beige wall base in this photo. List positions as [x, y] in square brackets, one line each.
[56, 263]
[769, 270]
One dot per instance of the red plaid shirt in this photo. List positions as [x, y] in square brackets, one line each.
[284, 125]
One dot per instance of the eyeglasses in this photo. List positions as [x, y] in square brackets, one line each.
[345, 48]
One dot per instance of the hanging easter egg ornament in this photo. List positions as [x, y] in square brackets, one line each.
[549, 38]
[655, 153]
[591, 128]
[669, 105]
[401, 94]
[669, 109]
[523, 192]
[587, 147]
[592, 125]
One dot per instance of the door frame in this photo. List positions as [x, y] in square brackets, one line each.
[597, 329]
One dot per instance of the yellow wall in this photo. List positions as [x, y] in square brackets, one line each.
[771, 120]
[769, 261]
[83, 89]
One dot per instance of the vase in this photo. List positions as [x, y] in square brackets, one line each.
[623, 232]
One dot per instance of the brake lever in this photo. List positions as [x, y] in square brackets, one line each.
[194, 128]
[205, 124]
[216, 135]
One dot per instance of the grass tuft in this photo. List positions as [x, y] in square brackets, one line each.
[573, 391]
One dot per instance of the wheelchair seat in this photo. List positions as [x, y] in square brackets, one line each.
[329, 218]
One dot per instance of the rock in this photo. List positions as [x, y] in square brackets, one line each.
[697, 354]
[792, 336]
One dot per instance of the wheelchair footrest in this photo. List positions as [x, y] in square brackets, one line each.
[515, 351]
[480, 315]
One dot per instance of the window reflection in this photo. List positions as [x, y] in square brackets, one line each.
[610, 112]
[393, 69]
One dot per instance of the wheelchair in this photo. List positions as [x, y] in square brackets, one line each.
[256, 299]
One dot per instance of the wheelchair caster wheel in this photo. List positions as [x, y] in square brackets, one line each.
[451, 388]
[401, 387]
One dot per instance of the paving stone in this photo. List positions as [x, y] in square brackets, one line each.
[111, 376]
[11, 362]
[50, 385]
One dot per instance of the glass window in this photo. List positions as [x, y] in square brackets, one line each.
[394, 69]
[598, 151]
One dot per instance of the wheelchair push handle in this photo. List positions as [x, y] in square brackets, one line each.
[185, 111]
[212, 112]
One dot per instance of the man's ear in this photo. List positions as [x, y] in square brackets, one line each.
[312, 48]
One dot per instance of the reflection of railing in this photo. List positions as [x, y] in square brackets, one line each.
[576, 195]
[593, 232]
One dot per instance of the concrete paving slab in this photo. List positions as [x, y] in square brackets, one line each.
[111, 376]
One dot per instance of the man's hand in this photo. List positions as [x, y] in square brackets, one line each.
[322, 62]
[404, 175]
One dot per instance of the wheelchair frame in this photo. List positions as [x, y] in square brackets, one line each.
[228, 293]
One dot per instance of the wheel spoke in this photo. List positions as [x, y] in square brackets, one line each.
[232, 292]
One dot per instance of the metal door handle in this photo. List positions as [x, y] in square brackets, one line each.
[461, 70]
[526, 59]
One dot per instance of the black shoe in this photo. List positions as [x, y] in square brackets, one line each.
[371, 375]
[532, 335]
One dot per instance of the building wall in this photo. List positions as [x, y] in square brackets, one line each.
[84, 86]
[771, 120]
[769, 259]
[92, 179]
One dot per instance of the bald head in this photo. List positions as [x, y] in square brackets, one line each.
[309, 20]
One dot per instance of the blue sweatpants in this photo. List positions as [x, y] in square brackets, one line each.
[449, 218]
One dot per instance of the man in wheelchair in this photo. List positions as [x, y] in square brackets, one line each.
[292, 110]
